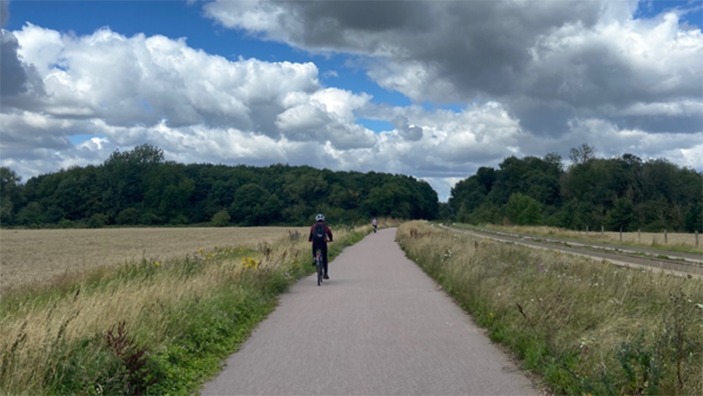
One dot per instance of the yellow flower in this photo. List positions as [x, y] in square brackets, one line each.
[248, 262]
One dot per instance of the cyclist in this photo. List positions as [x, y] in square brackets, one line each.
[320, 234]
[374, 223]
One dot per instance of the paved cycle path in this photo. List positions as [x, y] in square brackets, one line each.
[379, 326]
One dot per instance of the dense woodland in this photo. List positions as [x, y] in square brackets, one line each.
[614, 194]
[139, 187]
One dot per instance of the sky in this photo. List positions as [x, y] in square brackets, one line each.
[430, 89]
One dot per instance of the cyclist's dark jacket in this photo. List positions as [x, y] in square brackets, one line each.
[328, 232]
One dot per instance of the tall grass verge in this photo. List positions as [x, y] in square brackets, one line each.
[147, 327]
[676, 242]
[584, 326]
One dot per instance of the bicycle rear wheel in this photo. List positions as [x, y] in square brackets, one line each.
[318, 264]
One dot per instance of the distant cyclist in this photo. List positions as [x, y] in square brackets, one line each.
[320, 234]
[374, 223]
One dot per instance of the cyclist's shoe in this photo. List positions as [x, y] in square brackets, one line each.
[325, 277]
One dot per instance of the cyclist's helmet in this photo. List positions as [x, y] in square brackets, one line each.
[319, 217]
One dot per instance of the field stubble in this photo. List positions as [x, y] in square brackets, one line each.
[35, 257]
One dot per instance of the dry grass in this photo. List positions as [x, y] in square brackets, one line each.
[34, 257]
[134, 301]
[649, 239]
[582, 312]
[170, 268]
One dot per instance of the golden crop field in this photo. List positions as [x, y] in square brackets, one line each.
[32, 257]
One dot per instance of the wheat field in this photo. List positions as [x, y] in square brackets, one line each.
[34, 257]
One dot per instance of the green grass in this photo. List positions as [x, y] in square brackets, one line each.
[584, 326]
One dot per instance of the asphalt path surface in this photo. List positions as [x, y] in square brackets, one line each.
[379, 326]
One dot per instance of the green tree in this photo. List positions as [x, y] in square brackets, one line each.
[486, 213]
[129, 216]
[126, 178]
[168, 191]
[380, 201]
[393, 199]
[532, 176]
[582, 154]
[523, 210]
[11, 195]
[32, 215]
[253, 205]
[622, 215]
[221, 218]
[75, 196]
[694, 217]
[467, 195]
[139, 187]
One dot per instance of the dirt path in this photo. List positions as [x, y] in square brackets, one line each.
[380, 326]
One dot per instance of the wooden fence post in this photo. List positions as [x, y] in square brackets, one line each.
[666, 238]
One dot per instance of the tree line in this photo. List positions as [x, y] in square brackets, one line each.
[624, 193]
[139, 187]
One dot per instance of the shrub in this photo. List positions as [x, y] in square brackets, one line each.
[129, 216]
[221, 218]
[98, 220]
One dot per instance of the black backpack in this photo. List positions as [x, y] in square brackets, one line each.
[318, 233]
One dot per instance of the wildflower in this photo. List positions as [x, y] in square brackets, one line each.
[250, 263]
[157, 264]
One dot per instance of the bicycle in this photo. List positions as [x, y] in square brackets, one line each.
[319, 263]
